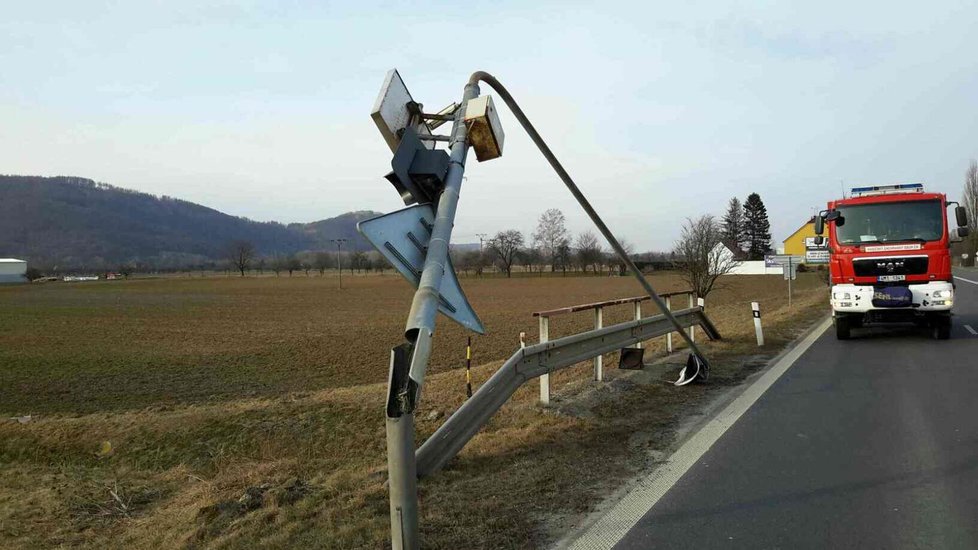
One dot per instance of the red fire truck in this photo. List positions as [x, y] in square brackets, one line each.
[889, 257]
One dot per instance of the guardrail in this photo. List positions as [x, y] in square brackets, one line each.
[598, 307]
[539, 359]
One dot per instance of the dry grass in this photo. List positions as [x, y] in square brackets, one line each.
[248, 413]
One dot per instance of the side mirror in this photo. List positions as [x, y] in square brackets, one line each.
[957, 235]
[819, 240]
[961, 213]
[963, 232]
[819, 226]
[835, 216]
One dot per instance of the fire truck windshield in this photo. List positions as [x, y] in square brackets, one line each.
[890, 221]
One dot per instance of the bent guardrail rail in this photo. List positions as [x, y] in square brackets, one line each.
[537, 359]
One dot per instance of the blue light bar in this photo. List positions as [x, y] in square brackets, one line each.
[886, 189]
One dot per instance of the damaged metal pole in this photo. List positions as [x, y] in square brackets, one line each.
[410, 360]
[586, 205]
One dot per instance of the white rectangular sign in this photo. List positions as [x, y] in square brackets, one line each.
[783, 259]
[810, 244]
[816, 256]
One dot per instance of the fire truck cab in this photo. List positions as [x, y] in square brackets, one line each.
[889, 257]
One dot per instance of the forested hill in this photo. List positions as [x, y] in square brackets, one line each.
[76, 222]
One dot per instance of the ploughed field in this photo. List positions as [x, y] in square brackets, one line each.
[84, 347]
[248, 412]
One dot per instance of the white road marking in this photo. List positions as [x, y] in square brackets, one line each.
[971, 330]
[966, 280]
[620, 518]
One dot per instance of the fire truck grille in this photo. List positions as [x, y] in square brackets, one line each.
[874, 267]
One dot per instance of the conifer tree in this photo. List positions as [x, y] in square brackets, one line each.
[757, 228]
[733, 223]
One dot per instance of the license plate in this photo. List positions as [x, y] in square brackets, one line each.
[891, 278]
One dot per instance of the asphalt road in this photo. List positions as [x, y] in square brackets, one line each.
[868, 443]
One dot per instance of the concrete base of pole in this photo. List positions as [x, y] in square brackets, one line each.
[403, 483]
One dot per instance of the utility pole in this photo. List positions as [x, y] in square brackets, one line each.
[339, 264]
[482, 237]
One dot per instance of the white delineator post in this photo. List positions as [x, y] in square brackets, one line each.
[599, 360]
[756, 311]
[638, 317]
[544, 378]
[668, 336]
[692, 329]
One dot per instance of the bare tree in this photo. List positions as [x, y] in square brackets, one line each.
[292, 263]
[618, 263]
[321, 261]
[358, 260]
[504, 247]
[240, 254]
[551, 233]
[971, 205]
[588, 251]
[377, 261]
[474, 260]
[564, 256]
[700, 256]
[532, 257]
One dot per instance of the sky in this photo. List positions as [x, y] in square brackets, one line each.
[660, 111]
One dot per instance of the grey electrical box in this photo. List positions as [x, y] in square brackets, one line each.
[418, 173]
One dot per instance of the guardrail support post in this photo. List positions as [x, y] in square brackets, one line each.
[669, 336]
[638, 317]
[544, 378]
[599, 360]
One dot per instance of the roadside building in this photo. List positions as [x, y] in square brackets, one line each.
[13, 271]
[727, 252]
[802, 243]
[795, 243]
[730, 255]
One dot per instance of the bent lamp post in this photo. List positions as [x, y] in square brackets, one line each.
[416, 241]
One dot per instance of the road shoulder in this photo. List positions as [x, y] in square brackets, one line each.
[619, 513]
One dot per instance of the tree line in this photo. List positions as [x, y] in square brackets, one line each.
[550, 248]
[242, 257]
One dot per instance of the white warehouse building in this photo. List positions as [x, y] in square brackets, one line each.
[13, 271]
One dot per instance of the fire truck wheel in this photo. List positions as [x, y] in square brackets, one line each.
[942, 328]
